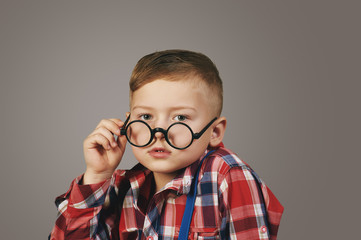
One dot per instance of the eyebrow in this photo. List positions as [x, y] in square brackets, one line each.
[181, 107]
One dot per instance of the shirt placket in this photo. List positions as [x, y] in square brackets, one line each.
[153, 217]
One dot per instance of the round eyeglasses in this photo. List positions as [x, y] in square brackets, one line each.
[178, 135]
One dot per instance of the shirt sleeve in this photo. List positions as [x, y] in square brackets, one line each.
[87, 211]
[249, 209]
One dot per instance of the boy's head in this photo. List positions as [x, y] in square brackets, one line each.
[180, 65]
[175, 93]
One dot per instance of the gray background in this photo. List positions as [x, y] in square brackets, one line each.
[291, 72]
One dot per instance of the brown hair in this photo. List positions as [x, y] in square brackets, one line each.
[176, 65]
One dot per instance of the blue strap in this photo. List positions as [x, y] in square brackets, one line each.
[191, 198]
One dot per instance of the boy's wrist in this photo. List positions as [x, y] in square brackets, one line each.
[94, 178]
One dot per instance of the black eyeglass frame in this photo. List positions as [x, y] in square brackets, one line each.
[123, 131]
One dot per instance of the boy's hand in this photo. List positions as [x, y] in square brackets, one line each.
[102, 152]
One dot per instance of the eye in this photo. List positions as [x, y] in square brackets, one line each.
[180, 118]
[145, 117]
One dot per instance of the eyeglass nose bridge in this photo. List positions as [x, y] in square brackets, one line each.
[162, 130]
[166, 137]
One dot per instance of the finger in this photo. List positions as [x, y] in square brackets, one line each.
[97, 140]
[122, 141]
[113, 125]
[117, 121]
[106, 133]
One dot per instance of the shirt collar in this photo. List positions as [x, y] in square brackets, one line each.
[141, 178]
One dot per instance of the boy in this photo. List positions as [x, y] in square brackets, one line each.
[176, 130]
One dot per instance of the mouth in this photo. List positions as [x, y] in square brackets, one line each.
[159, 149]
[159, 152]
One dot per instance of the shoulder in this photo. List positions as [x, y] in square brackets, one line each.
[223, 168]
[121, 177]
[223, 160]
[125, 178]
[229, 171]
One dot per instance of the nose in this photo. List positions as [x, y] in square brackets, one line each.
[159, 128]
[159, 133]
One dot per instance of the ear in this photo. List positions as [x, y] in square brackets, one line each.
[218, 132]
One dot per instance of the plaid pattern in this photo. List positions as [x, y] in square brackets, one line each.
[232, 203]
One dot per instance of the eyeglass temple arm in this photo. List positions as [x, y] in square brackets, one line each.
[198, 135]
[122, 130]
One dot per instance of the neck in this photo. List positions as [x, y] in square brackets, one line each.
[161, 179]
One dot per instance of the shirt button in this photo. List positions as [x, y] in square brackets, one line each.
[150, 238]
[263, 229]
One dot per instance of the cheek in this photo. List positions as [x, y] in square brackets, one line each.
[198, 147]
[137, 152]
[205, 139]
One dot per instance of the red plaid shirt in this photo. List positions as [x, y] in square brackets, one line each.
[232, 203]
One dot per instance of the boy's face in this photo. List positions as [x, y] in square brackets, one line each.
[161, 103]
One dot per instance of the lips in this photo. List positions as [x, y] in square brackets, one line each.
[159, 152]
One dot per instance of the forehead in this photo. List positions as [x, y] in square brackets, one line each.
[164, 94]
